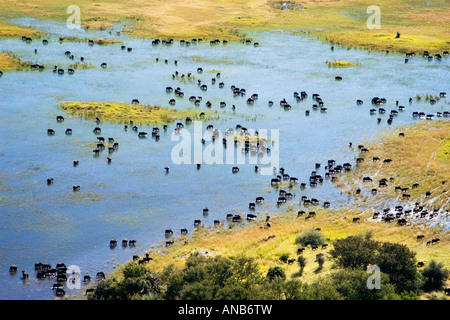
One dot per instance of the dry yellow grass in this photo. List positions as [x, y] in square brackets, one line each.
[422, 25]
[9, 61]
[8, 30]
[420, 156]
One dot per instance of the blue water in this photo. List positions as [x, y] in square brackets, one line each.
[133, 197]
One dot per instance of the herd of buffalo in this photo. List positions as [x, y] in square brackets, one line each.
[283, 182]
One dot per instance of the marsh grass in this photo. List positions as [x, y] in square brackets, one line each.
[124, 112]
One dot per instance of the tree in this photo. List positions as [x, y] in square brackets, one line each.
[137, 281]
[311, 237]
[275, 272]
[399, 263]
[435, 276]
[320, 259]
[302, 263]
[409, 296]
[280, 289]
[284, 257]
[355, 252]
[352, 285]
[215, 278]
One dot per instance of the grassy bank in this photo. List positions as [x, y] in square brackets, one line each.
[252, 241]
[124, 112]
[422, 25]
[419, 156]
[9, 61]
[9, 30]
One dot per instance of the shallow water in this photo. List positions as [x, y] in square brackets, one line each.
[133, 198]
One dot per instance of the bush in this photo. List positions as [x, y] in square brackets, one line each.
[215, 278]
[395, 260]
[275, 272]
[399, 262]
[137, 281]
[311, 237]
[355, 252]
[434, 276]
[320, 259]
[284, 257]
[352, 285]
[409, 296]
[302, 263]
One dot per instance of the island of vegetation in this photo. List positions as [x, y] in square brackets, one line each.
[124, 112]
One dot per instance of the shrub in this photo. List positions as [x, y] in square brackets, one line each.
[409, 296]
[355, 252]
[395, 260]
[137, 281]
[352, 285]
[275, 272]
[215, 278]
[399, 262]
[434, 276]
[320, 259]
[311, 237]
[284, 257]
[302, 263]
